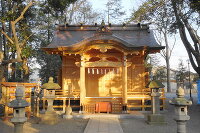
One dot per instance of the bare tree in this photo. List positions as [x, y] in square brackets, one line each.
[114, 10]
[183, 15]
[81, 12]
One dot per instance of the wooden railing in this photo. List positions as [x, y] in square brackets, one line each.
[65, 93]
[136, 100]
[62, 96]
[142, 100]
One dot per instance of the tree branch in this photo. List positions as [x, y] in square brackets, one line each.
[9, 39]
[16, 41]
[192, 61]
[23, 12]
[170, 52]
[190, 50]
[193, 34]
[163, 54]
[182, 31]
[25, 40]
[11, 61]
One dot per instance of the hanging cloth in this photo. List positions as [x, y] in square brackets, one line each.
[97, 71]
[88, 70]
[92, 70]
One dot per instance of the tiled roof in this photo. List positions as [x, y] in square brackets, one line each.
[130, 36]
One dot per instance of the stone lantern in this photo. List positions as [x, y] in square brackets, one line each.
[155, 117]
[181, 116]
[18, 106]
[50, 116]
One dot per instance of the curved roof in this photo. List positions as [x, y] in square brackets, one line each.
[131, 36]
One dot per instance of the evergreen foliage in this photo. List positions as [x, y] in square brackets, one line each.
[181, 73]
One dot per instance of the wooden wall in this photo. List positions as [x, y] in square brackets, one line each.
[104, 84]
[70, 73]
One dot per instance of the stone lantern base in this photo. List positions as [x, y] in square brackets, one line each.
[155, 119]
[68, 113]
[50, 118]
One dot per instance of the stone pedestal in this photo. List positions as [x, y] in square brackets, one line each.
[81, 109]
[181, 123]
[18, 127]
[50, 117]
[155, 119]
[68, 113]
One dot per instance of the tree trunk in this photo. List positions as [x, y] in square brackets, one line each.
[1, 72]
[167, 63]
[193, 53]
[4, 71]
[1, 46]
[108, 16]
[13, 73]
[25, 70]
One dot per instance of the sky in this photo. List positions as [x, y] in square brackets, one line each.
[179, 51]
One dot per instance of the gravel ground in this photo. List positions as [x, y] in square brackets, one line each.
[139, 125]
[64, 126]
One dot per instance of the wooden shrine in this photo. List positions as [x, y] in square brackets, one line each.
[104, 63]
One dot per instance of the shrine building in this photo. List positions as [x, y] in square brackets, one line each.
[104, 65]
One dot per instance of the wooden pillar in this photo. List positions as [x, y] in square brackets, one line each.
[124, 81]
[82, 81]
[64, 70]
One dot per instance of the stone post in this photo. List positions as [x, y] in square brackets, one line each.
[155, 117]
[18, 106]
[155, 100]
[50, 116]
[68, 108]
[181, 104]
[36, 100]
